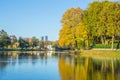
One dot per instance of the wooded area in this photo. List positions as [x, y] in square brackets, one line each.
[98, 24]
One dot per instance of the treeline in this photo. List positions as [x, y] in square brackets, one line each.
[11, 42]
[98, 24]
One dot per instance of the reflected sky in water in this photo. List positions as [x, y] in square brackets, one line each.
[56, 66]
[28, 66]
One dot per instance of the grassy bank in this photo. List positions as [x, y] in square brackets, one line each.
[100, 53]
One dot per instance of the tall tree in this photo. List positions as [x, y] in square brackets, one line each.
[111, 19]
[103, 19]
[70, 19]
[92, 21]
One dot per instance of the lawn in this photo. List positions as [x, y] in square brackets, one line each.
[100, 53]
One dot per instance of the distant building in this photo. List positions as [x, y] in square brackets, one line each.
[28, 39]
[46, 38]
[42, 38]
[45, 42]
[15, 45]
[49, 47]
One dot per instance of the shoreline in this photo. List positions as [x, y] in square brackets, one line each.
[92, 53]
[71, 51]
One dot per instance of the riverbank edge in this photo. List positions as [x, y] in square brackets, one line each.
[71, 51]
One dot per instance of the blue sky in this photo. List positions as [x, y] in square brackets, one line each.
[38, 18]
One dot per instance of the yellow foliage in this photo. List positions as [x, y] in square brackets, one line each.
[73, 29]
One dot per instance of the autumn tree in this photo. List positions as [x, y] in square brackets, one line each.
[102, 19]
[81, 35]
[111, 18]
[92, 22]
[70, 20]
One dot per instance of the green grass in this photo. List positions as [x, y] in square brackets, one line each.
[104, 46]
[101, 53]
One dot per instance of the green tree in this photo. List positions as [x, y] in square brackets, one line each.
[92, 22]
[4, 39]
[23, 43]
[35, 42]
[41, 44]
[13, 40]
[26, 44]
[55, 44]
[110, 17]
[102, 19]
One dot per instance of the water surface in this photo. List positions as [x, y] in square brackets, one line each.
[59, 66]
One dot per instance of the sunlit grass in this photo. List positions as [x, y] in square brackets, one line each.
[101, 53]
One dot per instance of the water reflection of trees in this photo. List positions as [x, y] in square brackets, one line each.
[89, 69]
[23, 57]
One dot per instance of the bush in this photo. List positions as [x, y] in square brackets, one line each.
[104, 46]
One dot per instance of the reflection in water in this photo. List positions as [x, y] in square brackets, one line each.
[23, 57]
[28, 66]
[89, 69]
[46, 66]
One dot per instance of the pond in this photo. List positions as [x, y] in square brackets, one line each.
[56, 66]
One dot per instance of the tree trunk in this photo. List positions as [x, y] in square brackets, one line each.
[112, 42]
[84, 45]
[102, 40]
[87, 43]
[76, 46]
